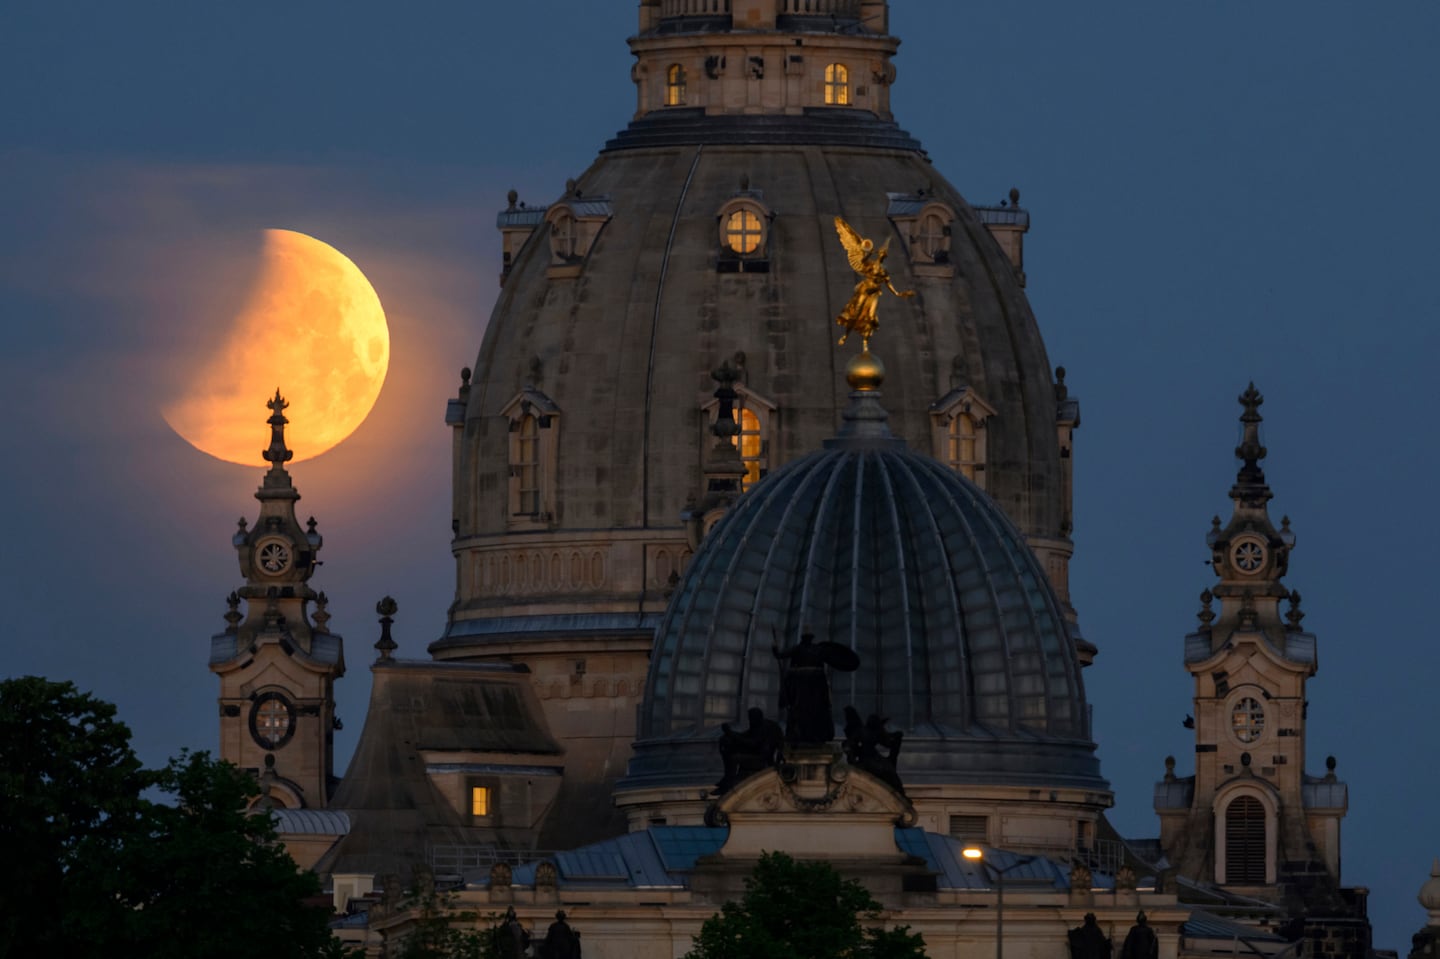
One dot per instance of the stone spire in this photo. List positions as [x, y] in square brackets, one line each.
[277, 668]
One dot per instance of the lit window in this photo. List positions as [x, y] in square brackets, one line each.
[963, 446]
[675, 86]
[1247, 719]
[751, 445]
[1245, 841]
[479, 800]
[742, 232]
[837, 84]
[931, 239]
[526, 468]
[564, 238]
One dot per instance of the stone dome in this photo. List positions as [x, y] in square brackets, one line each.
[616, 345]
[870, 544]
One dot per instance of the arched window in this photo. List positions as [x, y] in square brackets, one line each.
[675, 86]
[753, 414]
[1245, 841]
[837, 84]
[751, 444]
[959, 423]
[931, 238]
[527, 467]
[743, 231]
[564, 238]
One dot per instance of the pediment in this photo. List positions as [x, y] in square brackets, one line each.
[814, 809]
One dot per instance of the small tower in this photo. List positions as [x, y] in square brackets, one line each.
[1250, 818]
[276, 660]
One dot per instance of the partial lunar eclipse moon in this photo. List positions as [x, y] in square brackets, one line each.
[312, 327]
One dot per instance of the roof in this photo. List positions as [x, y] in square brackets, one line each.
[325, 648]
[311, 822]
[1328, 793]
[1175, 793]
[396, 812]
[1207, 925]
[890, 553]
[816, 126]
[665, 856]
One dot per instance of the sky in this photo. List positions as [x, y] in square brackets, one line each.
[1220, 192]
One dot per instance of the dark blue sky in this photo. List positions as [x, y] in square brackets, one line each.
[1220, 192]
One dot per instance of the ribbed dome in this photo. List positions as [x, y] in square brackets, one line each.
[867, 543]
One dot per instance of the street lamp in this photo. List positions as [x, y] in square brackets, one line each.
[976, 854]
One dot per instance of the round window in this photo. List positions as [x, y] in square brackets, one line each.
[274, 556]
[1247, 720]
[742, 232]
[1248, 556]
[272, 720]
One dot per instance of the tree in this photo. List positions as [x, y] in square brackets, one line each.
[95, 866]
[802, 910]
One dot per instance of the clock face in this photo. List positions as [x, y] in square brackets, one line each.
[274, 556]
[1248, 556]
[272, 720]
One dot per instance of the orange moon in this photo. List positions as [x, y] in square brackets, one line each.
[312, 327]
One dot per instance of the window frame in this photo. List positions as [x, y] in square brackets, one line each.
[675, 85]
[837, 85]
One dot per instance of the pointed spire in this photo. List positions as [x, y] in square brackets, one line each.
[1250, 481]
[278, 454]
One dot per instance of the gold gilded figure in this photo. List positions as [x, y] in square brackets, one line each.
[861, 313]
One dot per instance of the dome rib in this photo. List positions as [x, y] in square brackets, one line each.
[867, 543]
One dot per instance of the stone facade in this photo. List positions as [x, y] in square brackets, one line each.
[277, 661]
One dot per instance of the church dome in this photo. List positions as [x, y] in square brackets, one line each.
[704, 233]
[867, 543]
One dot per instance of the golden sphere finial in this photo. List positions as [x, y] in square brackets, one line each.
[865, 372]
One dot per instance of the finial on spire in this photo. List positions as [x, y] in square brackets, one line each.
[386, 645]
[322, 614]
[1250, 481]
[1207, 613]
[278, 453]
[1293, 615]
[233, 615]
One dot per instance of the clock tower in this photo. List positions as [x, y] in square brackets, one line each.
[276, 660]
[1250, 818]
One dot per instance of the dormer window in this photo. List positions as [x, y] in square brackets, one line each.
[564, 238]
[534, 444]
[755, 415]
[743, 231]
[933, 239]
[927, 226]
[958, 429]
[575, 222]
[675, 86]
[526, 467]
[837, 85]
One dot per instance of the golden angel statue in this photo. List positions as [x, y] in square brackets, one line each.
[860, 314]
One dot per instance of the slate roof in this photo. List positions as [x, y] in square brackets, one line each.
[665, 856]
[311, 822]
[396, 813]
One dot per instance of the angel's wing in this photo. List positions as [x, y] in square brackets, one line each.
[853, 242]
